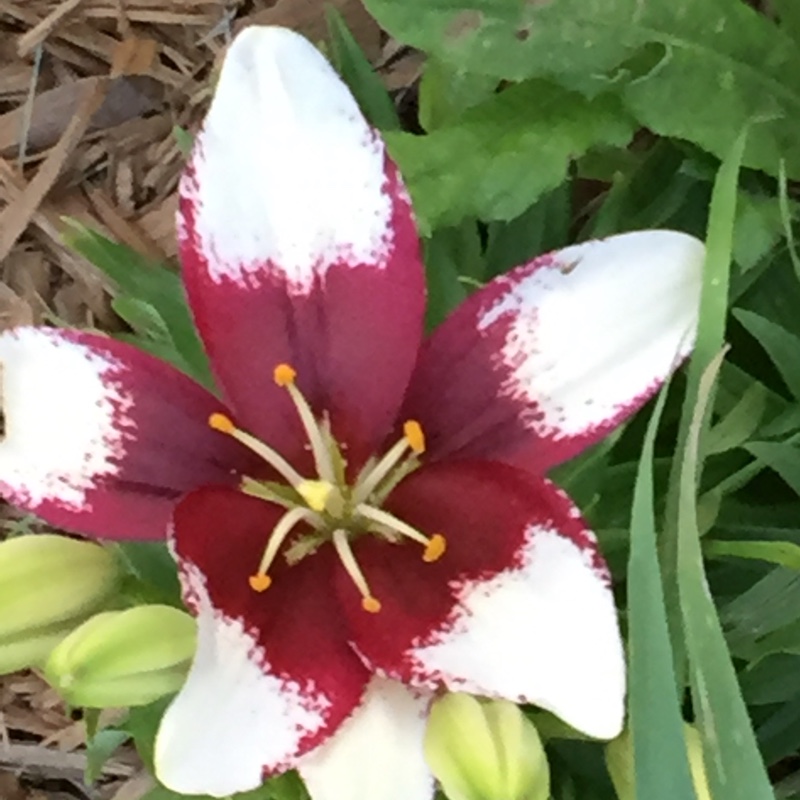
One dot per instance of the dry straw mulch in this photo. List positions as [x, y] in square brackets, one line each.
[90, 91]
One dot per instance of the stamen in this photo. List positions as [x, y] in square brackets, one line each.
[261, 581]
[367, 485]
[348, 559]
[371, 604]
[434, 545]
[415, 437]
[219, 422]
[284, 375]
[435, 548]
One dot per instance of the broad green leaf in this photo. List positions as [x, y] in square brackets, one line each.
[700, 71]
[789, 15]
[446, 92]
[505, 153]
[661, 768]
[733, 762]
[782, 347]
[357, 72]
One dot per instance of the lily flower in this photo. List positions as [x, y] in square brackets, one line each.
[365, 519]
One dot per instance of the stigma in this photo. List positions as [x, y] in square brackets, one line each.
[325, 508]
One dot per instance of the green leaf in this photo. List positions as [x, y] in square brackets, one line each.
[710, 338]
[789, 14]
[143, 318]
[740, 423]
[445, 93]
[99, 748]
[183, 139]
[783, 457]
[661, 767]
[357, 73]
[543, 227]
[152, 565]
[442, 263]
[505, 153]
[632, 203]
[141, 280]
[733, 763]
[700, 71]
[785, 554]
[781, 346]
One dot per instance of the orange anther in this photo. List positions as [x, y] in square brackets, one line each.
[412, 430]
[284, 375]
[221, 422]
[260, 582]
[435, 548]
[371, 604]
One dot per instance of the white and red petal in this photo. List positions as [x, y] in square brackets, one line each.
[299, 245]
[518, 607]
[273, 676]
[101, 438]
[548, 359]
[377, 753]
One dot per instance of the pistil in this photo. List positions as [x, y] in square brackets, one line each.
[333, 511]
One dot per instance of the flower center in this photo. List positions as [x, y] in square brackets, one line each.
[335, 511]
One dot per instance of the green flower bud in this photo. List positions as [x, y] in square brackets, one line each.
[619, 760]
[124, 658]
[48, 585]
[485, 750]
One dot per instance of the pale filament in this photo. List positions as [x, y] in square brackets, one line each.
[391, 522]
[413, 439]
[434, 545]
[348, 559]
[223, 424]
[279, 533]
[367, 486]
[284, 377]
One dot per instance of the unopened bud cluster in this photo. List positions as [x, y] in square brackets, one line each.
[124, 658]
[48, 585]
[485, 750]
